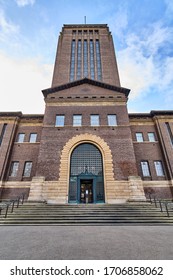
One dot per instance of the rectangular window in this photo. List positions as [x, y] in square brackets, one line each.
[98, 59]
[169, 132]
[85, 58]
[159, 168]
[3, 132]
[145, 169]
[94, 120]
[77, 120]
[72, 64]
[139, 137]
[21, 137]
[14, 168]
[79, 59]
[151, 137]
[60, 119]
[27, 169]
[33, 137]
[92, 68]
[112, 120]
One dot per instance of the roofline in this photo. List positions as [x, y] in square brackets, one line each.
[10, 114]
[20, 115]
[85, 25]
[152, 113]
[85, 81]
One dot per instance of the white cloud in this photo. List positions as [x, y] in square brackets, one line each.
[6, 26]
[22, 3]
[142, 64]
[21, 84]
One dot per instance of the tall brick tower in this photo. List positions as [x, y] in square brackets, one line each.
[86, 149]
[85, 51]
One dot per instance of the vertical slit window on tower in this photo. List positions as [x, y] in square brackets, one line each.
[72, 65]
[3, 132]
[169, 132]
[98, 59]
[85, 58]
[79, 59]
[92, 74]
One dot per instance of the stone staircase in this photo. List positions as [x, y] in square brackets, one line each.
[87, 214]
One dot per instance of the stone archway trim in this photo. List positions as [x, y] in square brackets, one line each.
[65, 160]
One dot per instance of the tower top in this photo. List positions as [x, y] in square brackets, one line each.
[85, 51]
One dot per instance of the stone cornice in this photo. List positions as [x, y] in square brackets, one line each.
[86, 81]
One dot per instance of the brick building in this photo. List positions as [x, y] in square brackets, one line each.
[86, 146]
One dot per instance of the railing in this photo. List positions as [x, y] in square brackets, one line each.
[163, 204]
[11, 203]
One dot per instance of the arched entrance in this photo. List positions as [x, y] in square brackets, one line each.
[86, 183]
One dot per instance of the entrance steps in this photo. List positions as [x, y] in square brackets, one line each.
[87, 214]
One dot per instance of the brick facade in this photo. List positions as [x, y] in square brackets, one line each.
[121, 153]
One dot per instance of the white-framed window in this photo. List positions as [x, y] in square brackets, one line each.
[33, 137]
[159, 168]
[14, 168]
[151, 137]
[20, 138]
[27, 169]
[139, 137]
[77, 120]
[145, 168]
[60, 119]
[112, 120]
[94, 120]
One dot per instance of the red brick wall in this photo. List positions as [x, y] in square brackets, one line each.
[63, 56]
[26, 151]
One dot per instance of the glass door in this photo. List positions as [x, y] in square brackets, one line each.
[86, 191]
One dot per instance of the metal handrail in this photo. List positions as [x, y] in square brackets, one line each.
[161, 203]
[11, 203]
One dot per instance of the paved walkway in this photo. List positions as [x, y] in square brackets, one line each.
[86, 242]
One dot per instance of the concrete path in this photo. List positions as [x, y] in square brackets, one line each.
[86, 242]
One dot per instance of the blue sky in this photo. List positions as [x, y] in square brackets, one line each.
[143, 37]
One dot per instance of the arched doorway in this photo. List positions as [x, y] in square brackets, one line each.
[86, 175]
